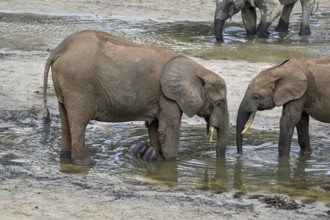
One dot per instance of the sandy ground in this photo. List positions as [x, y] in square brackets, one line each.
[40, 191]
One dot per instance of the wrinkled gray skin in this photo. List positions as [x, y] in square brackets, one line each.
[283, 24]
[269, 10]
[302, 87]
[98, 76]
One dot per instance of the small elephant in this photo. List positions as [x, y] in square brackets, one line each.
[307, 8]
[98, 76]
[269, 10]
[302, 87]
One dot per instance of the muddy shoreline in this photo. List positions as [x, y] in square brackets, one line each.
[32, 185]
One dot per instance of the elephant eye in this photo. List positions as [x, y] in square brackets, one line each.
[218, 103]
[255, 97]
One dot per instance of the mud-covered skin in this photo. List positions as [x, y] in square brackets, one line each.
[269, 11]
[225, 9]
[307, 9]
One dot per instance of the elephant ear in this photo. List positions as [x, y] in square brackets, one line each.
[289, 86]
[180, 81]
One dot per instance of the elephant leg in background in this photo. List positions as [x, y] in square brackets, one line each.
[303, 134]
[291, 115]
[153, 153]
[269, 12]
[249, 17]
[283, 24]
[306, 6]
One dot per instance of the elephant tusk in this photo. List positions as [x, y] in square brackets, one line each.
[248, 123]
[211, 133]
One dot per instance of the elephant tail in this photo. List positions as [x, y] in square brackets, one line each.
[46, 117]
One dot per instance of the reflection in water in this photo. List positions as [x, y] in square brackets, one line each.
[221, 181]
[66, 166]
[164, 171]
[287, 177]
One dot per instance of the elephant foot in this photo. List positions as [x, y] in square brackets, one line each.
[282, 26]
[263, 34]
[146, 152]
[251, 32]
[262, 30]
[305, 152]
[305, 31]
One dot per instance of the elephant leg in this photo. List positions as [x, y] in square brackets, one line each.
[80, 154]
[306, 13]
[291, 115]
[269, 12]
[66, 134]
[155, 152]
[153, 135]
[169, 129]
[149, 151]
[78, 122]
[303, 134]
[283, 23]
[249, 17]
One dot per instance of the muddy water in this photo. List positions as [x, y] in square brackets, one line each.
[259, 170]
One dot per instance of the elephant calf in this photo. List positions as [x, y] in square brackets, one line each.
[302, 87]
[98, 76]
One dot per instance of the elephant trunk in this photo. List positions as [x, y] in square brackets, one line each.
[221, 124]
[243, 117]
[218, 29]
[222, 140]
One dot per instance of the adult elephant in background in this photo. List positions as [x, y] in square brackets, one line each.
[269, 10]
[98, 76]
[302, 87]
[283, 24]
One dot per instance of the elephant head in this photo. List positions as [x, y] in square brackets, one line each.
[225, 9]
[198, 91]
[275, 86]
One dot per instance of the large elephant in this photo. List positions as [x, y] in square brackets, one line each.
[269, 10]
[98, 76]
[302, 87]
[283, 24]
